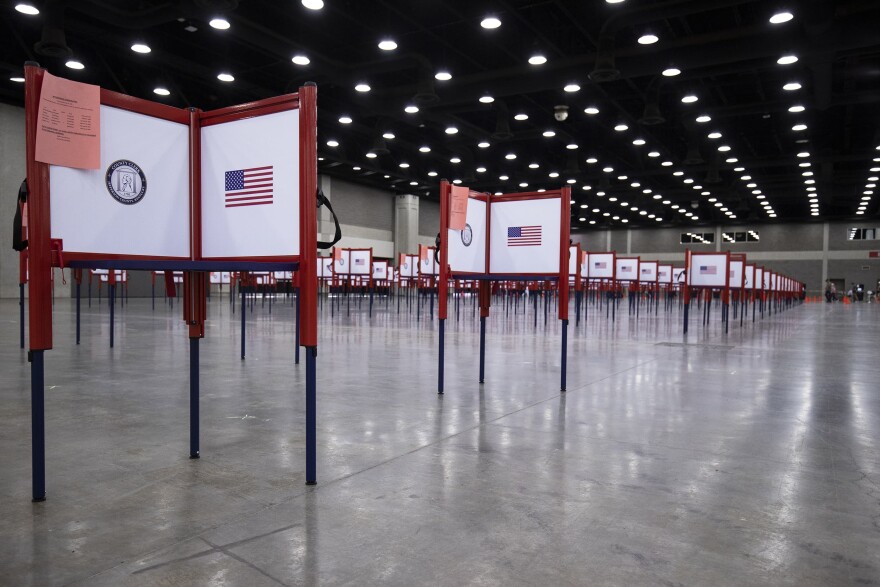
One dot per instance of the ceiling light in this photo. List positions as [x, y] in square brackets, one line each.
[666, 164]
[411, 109]
[592, 160]
[455, 160]
[521, 116]
[74, 64]
[654, 154]
[481, 170]
[345, 119]
[161, 91]
[490, 22]
[803, 154]
[639, 142]
[689, 99]
[523, 185]
[678, 173]
[451, 130]
[608, 169]
[425, 149]
[300, 60]
[571, 146]
[27, 9]
[356, 168]
[225, 77]
[781, 17]
[456, 181]
[671, 72]
[799, 127]
[553, 174]
[371, 155]
[537, 60]
[591, 110]
[549, 133]
[443, 76]
[503, 177]
[404, 165]
[387, 45]
[621, 127]
[796, 108]
[648, 39]
[704, 118]
[510, 156]
[413, 183]
[572, 88]
[432, 174]
[714, 135]
[140, 48]
[362, 87]
[787, 60]
[17, 79]
[731, 160]
[313, 4]
[483, 145]
[791, 86]
[219, 23]
[486, 99]
[724, 148]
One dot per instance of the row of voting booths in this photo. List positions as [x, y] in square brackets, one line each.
[179, 191]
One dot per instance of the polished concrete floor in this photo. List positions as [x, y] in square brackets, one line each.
[747, 458]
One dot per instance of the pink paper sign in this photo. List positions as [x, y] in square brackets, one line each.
[458, 207]
[69, 123]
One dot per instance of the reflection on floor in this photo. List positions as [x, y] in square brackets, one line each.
[745, 458]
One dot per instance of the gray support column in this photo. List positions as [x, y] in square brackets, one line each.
[406, 224]
[607, 240]
[326, 228]
[629, 240]
[717, 239]
[825, 231]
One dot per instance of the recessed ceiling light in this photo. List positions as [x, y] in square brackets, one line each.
[608, 169]
[411, 109]
[803, 154]
[413, 183]
[503, 177]
[704, 118]
[714, 135]
[432, 174]
[451, 130]
[404, 165]
[621, 127]
[490, 22]
[671, 72]
[356, 168]
[17, 79]
[74, 64]
[731, 160]
[571, 146]
[781, 17]
[225, 77]
[345, 119]
[481, 170]
[537, 60]
[332, 143]
[666, 164]
[689, 99]
[648, 39]
[553, 174]
[678, 173]
[796, 108]
[592, 160]
[483, 145]
[456, 181]
[455, 160]
[572, 88]
[425, 149]
[161, 91]
[300, 60]
[27, 9]
[362, 87]
[387, 45]
[521, 116]
[486, 99]
[639, 142]
[388, 135]
[591, 110]
[799, 127]
[141, 48]
[372, 155]
[787, 60]
[443, 76]
[219, 23]
[654, 154]
[791, 86]
[724, 148]
[523, 185]
[313, 4]
[549, 133]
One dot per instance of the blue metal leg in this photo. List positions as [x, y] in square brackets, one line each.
[311, 417]
[686, 308]
[77, 313]
[194, 398]
[243, 314]
[440, 365]
[111, 296]
[482, 348]
[38, 427]
[564, 353]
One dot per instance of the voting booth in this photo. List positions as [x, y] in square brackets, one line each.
[705, 273]
[160, 188]
[507, 237]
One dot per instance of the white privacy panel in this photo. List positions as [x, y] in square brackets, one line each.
[525, 236]
[325, 267]
[584, 268]
[679, 275]
[736, 274]
[428, 266]
[380, 270]
[648, 271]
[250, 187]
[601, 265]
[627, 269]
[573, 261]
[361, 262]
[137, 202]
[410, 266]
[708, 270]
[766, 275]
[749, 277]
[466, 251]
[342, 264]
[664, 273]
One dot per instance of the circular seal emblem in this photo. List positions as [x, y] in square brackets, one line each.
[341, 262]
[467, 235]
[126, 182]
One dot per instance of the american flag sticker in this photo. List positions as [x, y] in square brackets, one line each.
[708, 270]
[646, 271]
[600, 265]
[523, 236]
[626, 269]
[249, 187]
[358, 261]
